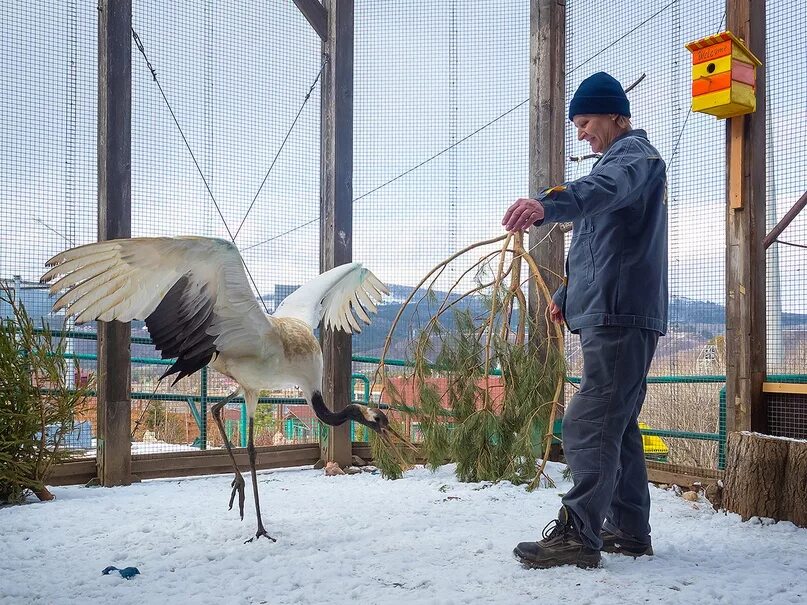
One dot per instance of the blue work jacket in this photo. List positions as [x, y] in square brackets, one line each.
[616, 270]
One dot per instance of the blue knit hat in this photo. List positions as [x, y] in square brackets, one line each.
[600, 94]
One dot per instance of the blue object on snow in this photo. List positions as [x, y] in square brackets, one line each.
[126, 572]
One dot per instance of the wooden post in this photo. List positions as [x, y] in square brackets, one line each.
[547, 146]
[114, 221]
[746, 341]
[336, 208]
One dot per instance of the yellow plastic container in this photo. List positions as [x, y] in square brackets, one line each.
[653, 445]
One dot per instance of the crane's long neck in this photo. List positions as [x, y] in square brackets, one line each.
[326, 415]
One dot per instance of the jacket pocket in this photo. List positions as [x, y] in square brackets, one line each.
[591, 268]
[581, 258]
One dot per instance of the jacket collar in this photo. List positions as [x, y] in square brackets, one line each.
[636, 132]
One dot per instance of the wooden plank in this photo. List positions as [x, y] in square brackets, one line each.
[174, 464]
[219, 466]
[114, 221]
[78, 472]
[179, 464]
[746, 341]
[316, 15]
[159, 467]
[194, 460]
[336, 208]
[363, 451]
[735, 159]
[787, 388]
[658, 474]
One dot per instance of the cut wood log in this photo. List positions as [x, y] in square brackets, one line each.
[766, 476]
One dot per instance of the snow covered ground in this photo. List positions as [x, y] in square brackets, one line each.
[423, 539]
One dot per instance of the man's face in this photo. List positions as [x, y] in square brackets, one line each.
[598, 130]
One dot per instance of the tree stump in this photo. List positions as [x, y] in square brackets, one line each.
[766, 477]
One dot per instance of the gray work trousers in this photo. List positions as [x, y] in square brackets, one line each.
[601, 438]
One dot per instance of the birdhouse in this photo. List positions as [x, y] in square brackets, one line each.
[723, 76]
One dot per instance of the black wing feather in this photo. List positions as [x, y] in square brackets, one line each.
[178, 327]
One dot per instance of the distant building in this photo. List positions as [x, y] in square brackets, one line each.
[34, 296]
[281, 292]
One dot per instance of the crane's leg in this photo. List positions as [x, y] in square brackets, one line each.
[252, 456]
[238, 480]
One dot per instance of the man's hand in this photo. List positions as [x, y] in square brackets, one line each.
[522, 215]
[555, 313]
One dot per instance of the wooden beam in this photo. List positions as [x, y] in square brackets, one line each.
[786, 220]
[336, 208]
[735, 159]
[546, 153]
[316, 15]
[183, 464]
[785, 388]
[75, 472]
[114, 221]
[547, 136]
[664, 473]
[365, 452]
[661, 472]
[745, 229]
[192, 463]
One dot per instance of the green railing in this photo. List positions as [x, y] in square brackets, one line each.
[198, 403]
[203, 398]
[719, 436]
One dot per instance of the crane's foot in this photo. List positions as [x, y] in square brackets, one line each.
[238, 488]
[261, 532]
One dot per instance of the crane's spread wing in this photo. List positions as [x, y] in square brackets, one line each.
[192, 293]
[337, 298]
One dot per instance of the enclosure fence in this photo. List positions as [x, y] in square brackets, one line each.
[226, 143]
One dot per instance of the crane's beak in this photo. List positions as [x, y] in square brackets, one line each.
[390, 436]
[384, 435]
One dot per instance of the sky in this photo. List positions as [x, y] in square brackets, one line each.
[427, 75]
[361, 539]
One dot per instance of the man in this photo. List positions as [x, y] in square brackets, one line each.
[615, 298]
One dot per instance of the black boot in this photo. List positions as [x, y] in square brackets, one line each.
[624, 545]
[561, 545]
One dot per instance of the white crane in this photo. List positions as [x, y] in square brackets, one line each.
[198, 307]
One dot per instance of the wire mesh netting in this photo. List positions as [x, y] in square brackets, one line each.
[428, 76]
[211, 157]
[441, 150]
[786, 105]
[48, 75]
[235, 78]
[787, 414]
[628, 40]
